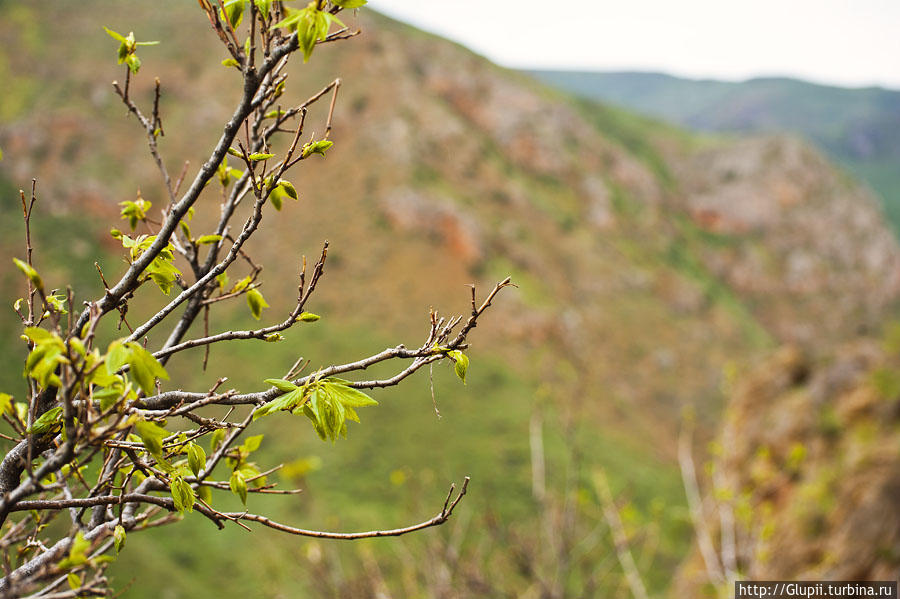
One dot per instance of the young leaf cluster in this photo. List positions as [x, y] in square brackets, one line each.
[127, 52]
[162, 269]
[311, 25]
[328, 403]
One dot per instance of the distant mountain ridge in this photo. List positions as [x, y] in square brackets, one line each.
[858, 127]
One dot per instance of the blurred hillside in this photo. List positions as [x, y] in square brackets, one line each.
[806, 466]
[856, 127]
[648, 260]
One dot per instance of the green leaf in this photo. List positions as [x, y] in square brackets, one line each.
[31, 273]
[182, 494]
[135, 211]
[288, 189]
[218, 437]
[274, 337]
[230, 62]
[119, 537]
[5, 403]
[74, 581]
[259, 156]
[316, 147]
[309, 413]
[196, 458]
[77, 553]
[145, 369]
[288, 401]
[308, 317]
[350, 396]
[282, 385]
[133, 62]
[208, 239]
[222, 280]
[48, 353]
[152, 436]
[116, 36]
[263, 6]
[257, 302]
[348, 4]
[48, 421]
[185, 229]
[235, 153]
[242, 284]
[234, 12]
[275, 198]
[251, 444]
[462, 363]
[117, 356]
[238, 485]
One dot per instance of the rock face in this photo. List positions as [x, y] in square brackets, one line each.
[793, 229]
[808, 460]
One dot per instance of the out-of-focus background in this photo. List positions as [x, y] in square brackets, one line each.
[702, 221]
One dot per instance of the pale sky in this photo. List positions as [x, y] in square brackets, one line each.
[842, 42]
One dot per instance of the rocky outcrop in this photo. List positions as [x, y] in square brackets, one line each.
[808, 460]
[806, 247]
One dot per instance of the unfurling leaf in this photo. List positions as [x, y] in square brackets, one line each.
[234, 12]
[48, 353]
[350, 396]
[288, 189]
[288, 401]
[152, 436]
[257, 302]
[242, 284]
[31, 273]
[238, 485]
[308, 317]
[6, 403]
[275, 198]
[263, 6]
[116, 36]
[48, 421]
[461, 365]
[182, 494]
[119, 537]
[208, 239]
[348, 4]
[145, 369]
[77, 553]
[218, 437]
[251, 444]
[135, 211]
[74, 581]
[311, 25]
[196, 458]
[282, 385]
[230, 62]
[316, 147]
[222, 280]
[259, 156]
